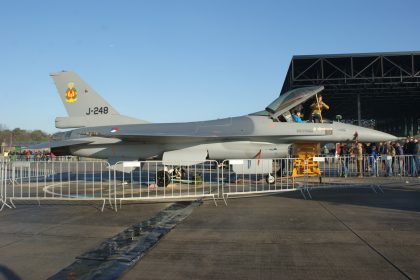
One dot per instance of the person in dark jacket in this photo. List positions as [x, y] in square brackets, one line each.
[344, 159]
[399, 153]
[416, 157]
[412, 161]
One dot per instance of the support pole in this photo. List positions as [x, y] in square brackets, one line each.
[411, 126]
[359, 111]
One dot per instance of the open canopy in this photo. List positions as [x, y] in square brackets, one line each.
[291, 99]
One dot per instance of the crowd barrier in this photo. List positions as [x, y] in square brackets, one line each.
[249, 177]
[98, 181]
[380, 166]
[153, 181]
[56, 180]
[44, 157]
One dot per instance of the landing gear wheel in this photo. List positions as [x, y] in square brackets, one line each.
[163, 178]
[270, 179]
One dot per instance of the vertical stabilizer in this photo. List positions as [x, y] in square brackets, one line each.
[78, 97]
[84, 105]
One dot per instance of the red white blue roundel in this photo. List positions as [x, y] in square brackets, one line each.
[115, 129]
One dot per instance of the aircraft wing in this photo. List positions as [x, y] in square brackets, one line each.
[173, 138]
[62, 143]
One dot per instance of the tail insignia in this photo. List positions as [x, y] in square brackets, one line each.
[71, 93]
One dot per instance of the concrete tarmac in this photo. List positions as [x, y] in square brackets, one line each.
[345, 233]
[341, 234]
[38, 241]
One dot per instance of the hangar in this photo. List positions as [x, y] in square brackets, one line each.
[379, 90]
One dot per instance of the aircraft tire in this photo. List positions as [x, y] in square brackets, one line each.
[270, 179]
[163, 178]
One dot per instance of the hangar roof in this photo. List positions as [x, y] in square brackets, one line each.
[388, 82]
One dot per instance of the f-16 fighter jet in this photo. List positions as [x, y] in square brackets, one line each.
[99, 131]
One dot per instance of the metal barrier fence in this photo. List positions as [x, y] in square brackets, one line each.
[152, 181]
[3, 182]
[247, 177]
[368, 171]
[51, 180]
[386, 166]
[44, 157]
[253, 177]
[98, 181]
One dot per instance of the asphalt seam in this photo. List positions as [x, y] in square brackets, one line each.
[11, 243]
[112, 258]
[365, 242]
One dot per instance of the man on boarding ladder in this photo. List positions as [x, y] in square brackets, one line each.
[317, 107]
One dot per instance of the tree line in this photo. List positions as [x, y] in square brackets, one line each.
[17, 136]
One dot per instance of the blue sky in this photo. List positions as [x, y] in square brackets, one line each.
[174, 61]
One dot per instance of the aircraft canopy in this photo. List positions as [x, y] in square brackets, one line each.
[291, 99]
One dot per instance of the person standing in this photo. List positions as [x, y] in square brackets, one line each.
[344, 160]
[416, 156]
[373, 161]
[382, 154]
[368, 152]
[399, 158]
[358, 152]
[388, 152]
[316, 108]
[412, 157]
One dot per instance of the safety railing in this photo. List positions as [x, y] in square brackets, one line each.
[248, 177]
[154, 181]
[44, 157]
[151, 180]
[367, 171]
[65, 181]
[370, 166]
[3, 182]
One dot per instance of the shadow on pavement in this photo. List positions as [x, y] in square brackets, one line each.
[404, 198]
[8, 274]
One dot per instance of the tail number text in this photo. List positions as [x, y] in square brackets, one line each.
[97, 111]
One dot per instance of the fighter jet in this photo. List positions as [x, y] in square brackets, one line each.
[101, 132]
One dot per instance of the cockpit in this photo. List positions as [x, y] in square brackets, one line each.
[280, 110]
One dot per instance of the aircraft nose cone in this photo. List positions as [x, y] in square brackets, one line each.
[371, 135]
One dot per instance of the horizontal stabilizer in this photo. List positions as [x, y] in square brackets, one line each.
[64, 143]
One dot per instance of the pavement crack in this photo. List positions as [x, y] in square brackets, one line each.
[10, 243]
[366, 242]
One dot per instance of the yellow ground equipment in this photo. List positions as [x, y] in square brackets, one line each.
[304, 163]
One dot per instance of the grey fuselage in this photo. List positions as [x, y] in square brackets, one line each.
[228, 138]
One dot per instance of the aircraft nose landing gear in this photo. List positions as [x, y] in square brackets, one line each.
[163, 178]
[270, 179]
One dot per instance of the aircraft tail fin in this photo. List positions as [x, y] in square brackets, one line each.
[78, 97]
[84, 105]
